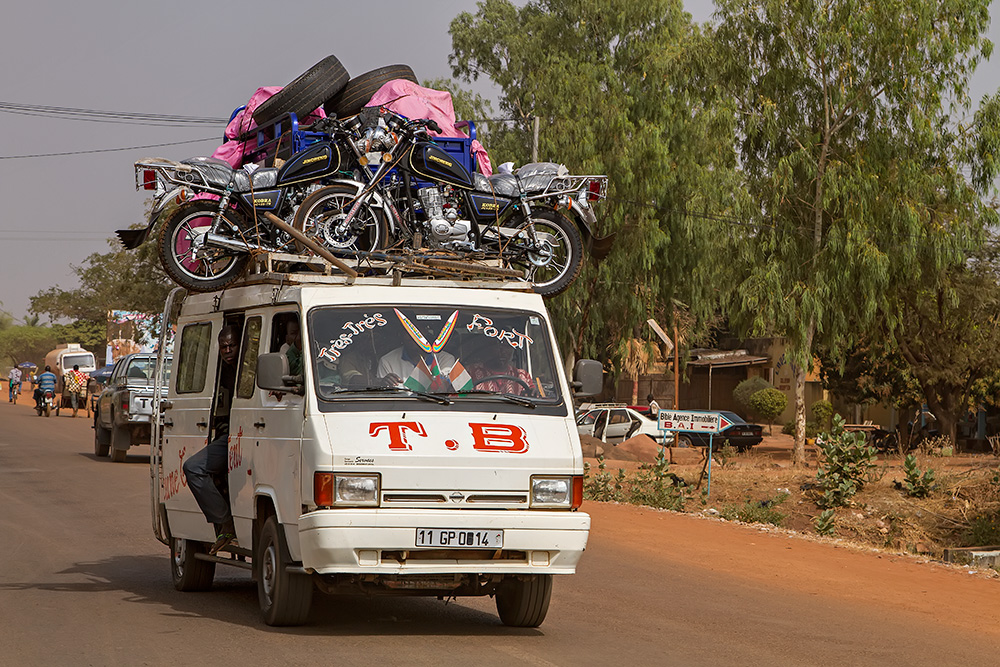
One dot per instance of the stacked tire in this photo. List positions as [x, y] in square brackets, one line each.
[327, 84]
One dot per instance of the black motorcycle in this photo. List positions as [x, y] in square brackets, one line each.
[420, 195]
[215, 217]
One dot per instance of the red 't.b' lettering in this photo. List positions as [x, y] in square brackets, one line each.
[499, 438]
[397, 435]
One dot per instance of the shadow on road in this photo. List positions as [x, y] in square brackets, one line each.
[233, 599]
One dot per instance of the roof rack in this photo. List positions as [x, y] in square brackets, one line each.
[400, 268]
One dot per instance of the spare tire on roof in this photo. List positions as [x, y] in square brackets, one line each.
[359, 90]
[307, 93]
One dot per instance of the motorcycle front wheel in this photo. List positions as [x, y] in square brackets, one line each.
[203, 270]
[547, 246]
[321, 216]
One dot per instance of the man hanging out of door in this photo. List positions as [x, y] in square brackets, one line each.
[213, 459]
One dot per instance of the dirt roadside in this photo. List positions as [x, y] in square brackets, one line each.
[782, 561]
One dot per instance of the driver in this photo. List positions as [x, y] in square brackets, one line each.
[497, 364]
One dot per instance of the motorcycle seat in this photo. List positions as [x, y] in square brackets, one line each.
[220, 174]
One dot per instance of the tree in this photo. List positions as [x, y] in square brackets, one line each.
[767, 404]
[949, 334]
[621, 88]
[24, 343]
[847, 142]
[116, 280]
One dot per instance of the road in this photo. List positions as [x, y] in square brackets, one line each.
[83, 582]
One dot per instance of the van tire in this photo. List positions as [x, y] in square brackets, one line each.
[306, 93]
[284, 598]
[355, 95]
[102, 439]
[523, 602]
[120, 443]
[188, 572]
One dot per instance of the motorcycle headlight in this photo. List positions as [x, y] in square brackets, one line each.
[562, 491]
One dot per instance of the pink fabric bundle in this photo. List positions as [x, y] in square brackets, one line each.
[232, 151]
[408, 99]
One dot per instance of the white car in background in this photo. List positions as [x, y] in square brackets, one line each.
[616, 422]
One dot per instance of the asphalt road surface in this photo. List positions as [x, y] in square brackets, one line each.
[84, 582]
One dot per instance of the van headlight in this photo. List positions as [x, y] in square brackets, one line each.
[338, 490]
[563, 491]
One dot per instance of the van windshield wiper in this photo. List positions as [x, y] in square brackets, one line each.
[511, 398]
[423, 395]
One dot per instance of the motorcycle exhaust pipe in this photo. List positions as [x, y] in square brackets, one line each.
[226, 243]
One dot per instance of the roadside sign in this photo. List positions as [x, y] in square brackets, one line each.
[695, 421]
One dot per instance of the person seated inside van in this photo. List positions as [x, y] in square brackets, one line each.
[411, 365]
[292, 347]
[213, 460]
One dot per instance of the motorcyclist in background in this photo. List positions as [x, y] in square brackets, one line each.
[45, 382]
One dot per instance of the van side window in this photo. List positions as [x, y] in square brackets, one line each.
[192, 366]
[248, 364]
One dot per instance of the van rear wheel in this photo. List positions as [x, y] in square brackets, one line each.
[284, 597]
[188, 572]
[523, 602]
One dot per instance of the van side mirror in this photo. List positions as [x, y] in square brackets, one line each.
[588, 378]
[272, 374]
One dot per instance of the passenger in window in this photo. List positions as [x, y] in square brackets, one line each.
[213, 459]
[292, 348]
[413, 366]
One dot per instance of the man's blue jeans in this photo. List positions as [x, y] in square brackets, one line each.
[199, 469]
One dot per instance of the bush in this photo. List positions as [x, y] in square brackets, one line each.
[822, 412]
[756, 512]
[744, 390]
[848, 464]
[917, 485]
[768, 404]
[811, 430]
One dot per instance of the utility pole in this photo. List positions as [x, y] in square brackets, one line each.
[534, 141]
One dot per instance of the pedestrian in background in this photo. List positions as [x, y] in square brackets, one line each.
[14, 378]
[654, 407]
[75, 383]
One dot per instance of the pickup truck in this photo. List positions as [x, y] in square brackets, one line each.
[124, 412]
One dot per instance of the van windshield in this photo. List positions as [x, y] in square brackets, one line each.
[85, 361]
[456, 352]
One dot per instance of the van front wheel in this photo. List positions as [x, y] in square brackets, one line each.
[285, 598]
[523, 602]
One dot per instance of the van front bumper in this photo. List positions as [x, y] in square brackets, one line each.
[379, 541]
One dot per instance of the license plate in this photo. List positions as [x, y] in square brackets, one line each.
[459, 538]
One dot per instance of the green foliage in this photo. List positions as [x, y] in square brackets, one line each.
[723, 455]
[656, 486]
[747, 388]
[767, 404]
[602, 487]
[853, 140]
[824, 522]
[811, 428]
[764, 511]
[653, 485]
[24, 343]
[915, 484]
[848, 464]
[983, 531]
[665, 142]
[116, 280]
[823, 413]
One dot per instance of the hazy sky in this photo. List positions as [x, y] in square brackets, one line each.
[188, 58]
